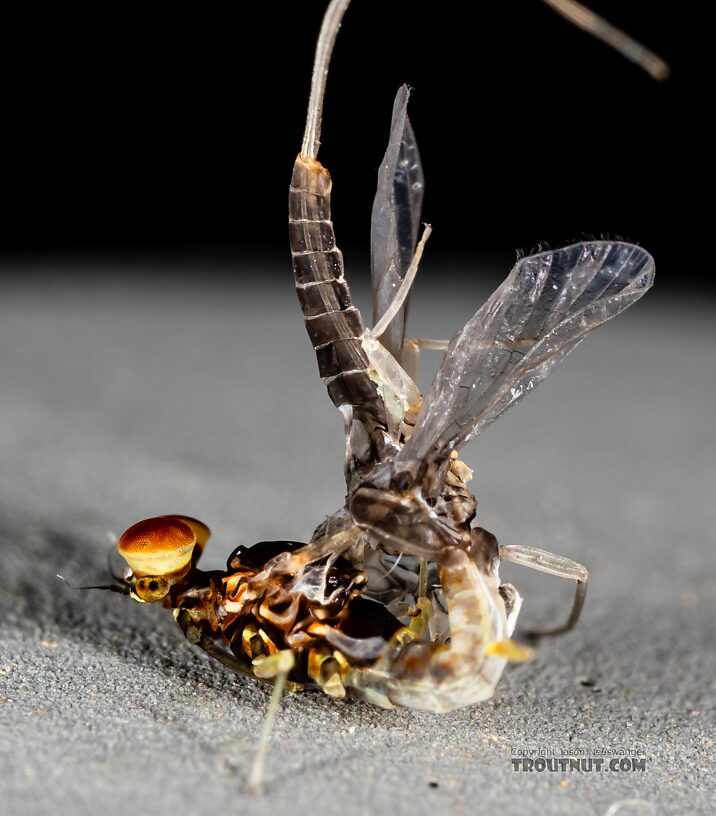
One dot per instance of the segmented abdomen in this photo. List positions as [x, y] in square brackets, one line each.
[334, 325]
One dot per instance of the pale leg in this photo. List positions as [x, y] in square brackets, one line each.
[553, 565]
[197, 637]
[410, 358]
[276, 667]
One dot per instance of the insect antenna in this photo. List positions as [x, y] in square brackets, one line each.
[111, 552]
[124, 590]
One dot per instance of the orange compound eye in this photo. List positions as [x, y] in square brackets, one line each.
[201, 531]
[161, 546]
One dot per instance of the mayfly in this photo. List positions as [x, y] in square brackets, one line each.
[397, 598]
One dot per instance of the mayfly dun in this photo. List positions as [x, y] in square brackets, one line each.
[397, 597]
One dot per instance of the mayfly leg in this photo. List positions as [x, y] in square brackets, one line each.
[552, 564]
[197, 637]
[276, 667]
[412, 349]
[404, 290]
[294, 563]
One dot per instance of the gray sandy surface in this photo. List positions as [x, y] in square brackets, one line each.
[124, 398]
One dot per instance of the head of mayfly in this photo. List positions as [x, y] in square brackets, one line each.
[159, 553]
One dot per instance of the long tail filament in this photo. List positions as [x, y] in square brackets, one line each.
[571, 10]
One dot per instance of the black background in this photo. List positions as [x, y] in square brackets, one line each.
[174, 130]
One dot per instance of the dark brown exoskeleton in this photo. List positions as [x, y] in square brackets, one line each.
[397, 598]
[272, 597]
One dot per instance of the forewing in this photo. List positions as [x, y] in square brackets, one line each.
[395, 220]
[548, 303]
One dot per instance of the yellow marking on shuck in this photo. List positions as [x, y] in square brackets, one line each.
[316, 658]
[462, 471]
[510, 650]
[401, 638]
[420, 617]
[340, 658]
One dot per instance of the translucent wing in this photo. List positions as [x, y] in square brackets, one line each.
[548, 303]
[395, 219]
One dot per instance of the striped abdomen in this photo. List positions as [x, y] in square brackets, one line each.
[333, 323]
